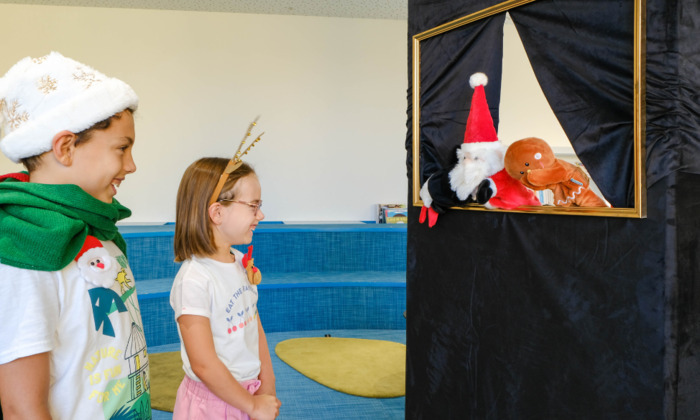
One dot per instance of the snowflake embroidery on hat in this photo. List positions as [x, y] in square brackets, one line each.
[39, 60]
[47, 84]
[86, 77]
[12, 114]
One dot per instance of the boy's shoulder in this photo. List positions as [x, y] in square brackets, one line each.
[13, 274]
[25, 286]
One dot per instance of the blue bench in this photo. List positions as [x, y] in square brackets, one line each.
[315, 277]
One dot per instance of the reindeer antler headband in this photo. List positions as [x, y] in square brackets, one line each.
[235, 161]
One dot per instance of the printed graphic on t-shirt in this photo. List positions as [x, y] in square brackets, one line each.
[240, 314]
[118, 376]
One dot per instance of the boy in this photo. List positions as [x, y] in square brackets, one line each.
[72, 342]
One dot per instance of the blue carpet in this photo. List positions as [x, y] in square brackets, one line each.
[303, 398]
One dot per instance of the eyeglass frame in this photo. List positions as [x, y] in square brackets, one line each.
[254, 206]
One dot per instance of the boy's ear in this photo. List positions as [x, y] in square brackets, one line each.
[63, 146]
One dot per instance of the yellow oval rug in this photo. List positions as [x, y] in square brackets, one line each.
[166, 375]
[356, 366]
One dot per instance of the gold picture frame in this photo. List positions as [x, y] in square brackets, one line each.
[639, 123]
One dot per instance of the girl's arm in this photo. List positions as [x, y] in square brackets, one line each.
[267, 376]
[24, 388]
[199, 344]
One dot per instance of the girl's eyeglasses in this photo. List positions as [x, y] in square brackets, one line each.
[255, 206]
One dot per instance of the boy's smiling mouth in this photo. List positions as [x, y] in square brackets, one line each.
[115, 184]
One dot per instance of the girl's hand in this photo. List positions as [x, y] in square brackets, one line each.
[265, 407]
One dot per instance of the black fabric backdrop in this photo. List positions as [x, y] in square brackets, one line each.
[522, 316]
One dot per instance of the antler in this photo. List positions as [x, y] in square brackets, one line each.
[235, 161]
[238, 155]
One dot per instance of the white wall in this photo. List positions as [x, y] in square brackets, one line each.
[331, 93]
[524, 110]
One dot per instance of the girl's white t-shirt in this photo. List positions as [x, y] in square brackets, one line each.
[221, 292]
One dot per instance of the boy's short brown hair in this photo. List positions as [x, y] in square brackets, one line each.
[193, 232]
[33, 162]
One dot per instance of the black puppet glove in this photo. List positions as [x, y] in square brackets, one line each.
[437, 196]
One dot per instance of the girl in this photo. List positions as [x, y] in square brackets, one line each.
[228, 370]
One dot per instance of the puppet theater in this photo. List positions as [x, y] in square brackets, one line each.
[532, 315]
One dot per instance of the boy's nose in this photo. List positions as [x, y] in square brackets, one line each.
[129, 164]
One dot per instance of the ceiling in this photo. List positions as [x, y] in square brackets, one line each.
[362, 9]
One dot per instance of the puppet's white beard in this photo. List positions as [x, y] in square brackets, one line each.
[466, 176]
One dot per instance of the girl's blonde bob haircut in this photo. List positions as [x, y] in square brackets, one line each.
[193, 231]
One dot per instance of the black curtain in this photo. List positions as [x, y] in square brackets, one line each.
[581, 53]
[522, 316]
[447, 62]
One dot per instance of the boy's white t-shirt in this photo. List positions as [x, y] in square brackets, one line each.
[87, 316]
[221, 292]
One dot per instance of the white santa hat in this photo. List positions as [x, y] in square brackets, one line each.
[40, 97]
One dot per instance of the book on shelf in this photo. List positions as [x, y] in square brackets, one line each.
[392, 213]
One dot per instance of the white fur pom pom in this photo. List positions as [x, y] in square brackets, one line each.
[425, 194]
[478, 79]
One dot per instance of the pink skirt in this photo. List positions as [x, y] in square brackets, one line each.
[194, 401]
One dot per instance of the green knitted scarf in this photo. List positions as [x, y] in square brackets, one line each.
[43, 227]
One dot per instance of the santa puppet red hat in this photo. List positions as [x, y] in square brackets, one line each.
[480, 129]
[481, 156]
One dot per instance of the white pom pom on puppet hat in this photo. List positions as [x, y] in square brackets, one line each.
[478, 79]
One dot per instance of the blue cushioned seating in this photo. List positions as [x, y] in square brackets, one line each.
[315, 277]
